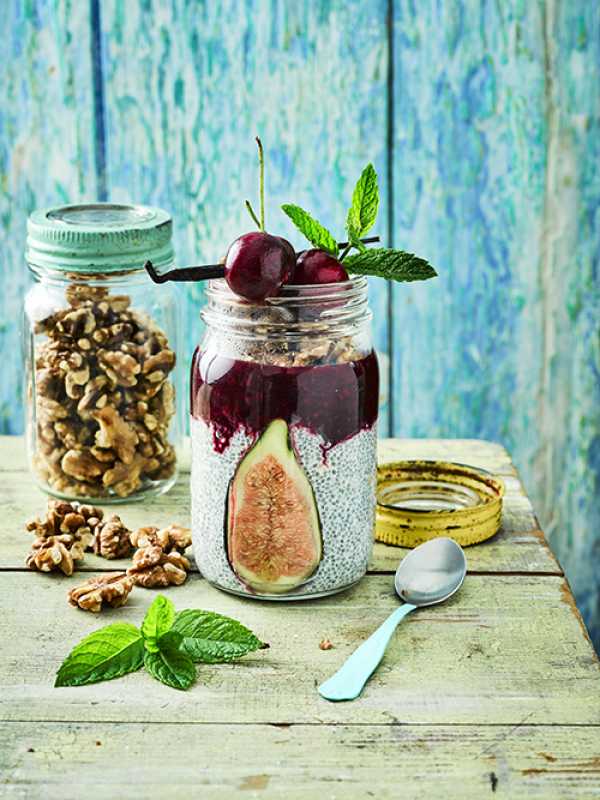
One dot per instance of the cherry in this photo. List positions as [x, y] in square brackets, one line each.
[317, 266]
[257, 264]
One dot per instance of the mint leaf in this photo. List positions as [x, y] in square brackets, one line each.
[158, 620]
[212, 638]
[169, 664]
[365, 204]
[395, 265]
[316, 233]
[108, 653]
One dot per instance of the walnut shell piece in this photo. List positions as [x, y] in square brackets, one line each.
[112, 539]
[153, 567]
[112, 589]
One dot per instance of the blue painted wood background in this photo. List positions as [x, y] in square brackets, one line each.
[483, 121]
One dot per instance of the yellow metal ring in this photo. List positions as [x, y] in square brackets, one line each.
[469, 503]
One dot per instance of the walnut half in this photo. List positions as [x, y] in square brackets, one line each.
[112, 539]
[111, 589]
[50, 553]
[153, 567]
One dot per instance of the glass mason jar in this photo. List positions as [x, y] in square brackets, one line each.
[284, 402]
[102, 395]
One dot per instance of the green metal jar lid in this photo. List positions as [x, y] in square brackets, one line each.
[99, 237]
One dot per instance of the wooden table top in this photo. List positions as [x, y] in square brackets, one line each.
[495, 692]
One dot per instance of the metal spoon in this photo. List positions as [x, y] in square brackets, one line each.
[429, 574]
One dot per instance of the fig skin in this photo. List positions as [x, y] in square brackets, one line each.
[258, 264]
[317, 266]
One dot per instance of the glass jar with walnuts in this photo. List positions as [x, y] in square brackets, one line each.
[102, 379]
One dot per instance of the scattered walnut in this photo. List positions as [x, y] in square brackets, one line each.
[325, 644]
[75, 519]
[174, 537]
[112, 539]
[113, 589]
[153, 567]
[50, 553]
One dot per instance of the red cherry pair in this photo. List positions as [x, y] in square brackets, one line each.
[258, 264]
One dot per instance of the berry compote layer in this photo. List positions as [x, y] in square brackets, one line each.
[331, 413]
[335, 401]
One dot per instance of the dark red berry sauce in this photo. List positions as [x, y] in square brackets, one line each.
[333, 400]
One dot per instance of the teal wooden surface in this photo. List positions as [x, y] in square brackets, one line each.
[46, 150]
[483, 120]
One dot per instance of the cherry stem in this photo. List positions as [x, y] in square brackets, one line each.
[261, 163]
[252, 214]
[346, 251]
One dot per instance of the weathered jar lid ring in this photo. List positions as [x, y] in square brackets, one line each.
[421, 500]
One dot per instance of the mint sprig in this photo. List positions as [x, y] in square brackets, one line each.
[395, 265]
[167, 645]
[317, 234]
[380, 262]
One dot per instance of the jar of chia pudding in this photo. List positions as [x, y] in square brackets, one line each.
[284, 401]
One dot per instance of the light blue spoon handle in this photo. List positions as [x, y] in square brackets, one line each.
[348, 681]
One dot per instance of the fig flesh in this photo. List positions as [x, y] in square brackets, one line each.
[273, 531]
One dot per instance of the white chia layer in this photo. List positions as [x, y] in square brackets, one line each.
[344, 485]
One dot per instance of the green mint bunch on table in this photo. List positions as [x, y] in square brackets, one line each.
[381, 262]
[168, 646]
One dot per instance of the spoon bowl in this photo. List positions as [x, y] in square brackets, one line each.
[431, 573]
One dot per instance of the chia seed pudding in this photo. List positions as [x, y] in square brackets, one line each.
[283, 458]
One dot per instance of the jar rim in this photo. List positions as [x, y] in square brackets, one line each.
[355, 286]
[298, 311]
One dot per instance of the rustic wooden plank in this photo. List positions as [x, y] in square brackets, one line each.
[46, 151]
[154, 761]
[504, 650]
[184, 105]
[519, 547]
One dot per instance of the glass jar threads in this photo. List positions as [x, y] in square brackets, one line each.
[102, 394]
[284, 402]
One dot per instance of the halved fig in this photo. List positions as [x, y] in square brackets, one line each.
[273, 531]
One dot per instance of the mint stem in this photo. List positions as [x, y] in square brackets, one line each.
[261, 162]
[252, 214]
